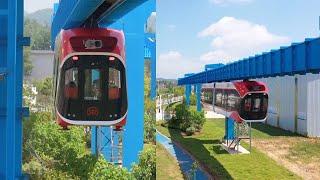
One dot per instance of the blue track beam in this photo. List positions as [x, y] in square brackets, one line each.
[213, 66]
[73, 13]
[121, 10]
[299, 58]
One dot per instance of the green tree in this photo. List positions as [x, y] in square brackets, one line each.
[149, 107]
[146, 168]
[27, 62]
[193, 99]
[40, 40]
[45, 86]
[40, 34]
[104, 170]
[178, 91]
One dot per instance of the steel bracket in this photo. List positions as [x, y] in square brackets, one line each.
[24, 41]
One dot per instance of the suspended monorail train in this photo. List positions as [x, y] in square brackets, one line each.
[90, 78]
[239, 100]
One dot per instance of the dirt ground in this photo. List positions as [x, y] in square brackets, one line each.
[279, 150]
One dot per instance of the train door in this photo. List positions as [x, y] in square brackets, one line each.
[94, 70]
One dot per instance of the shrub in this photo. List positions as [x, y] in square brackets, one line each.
[190, 131]
[186, 117]
[146, 169]
[149, 120]
[60, 151]
[149, 129]
[36, 170]
[181, 117]
[104, 170]
[193, 99]
[197, 119]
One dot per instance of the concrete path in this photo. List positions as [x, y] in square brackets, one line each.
[209, 113]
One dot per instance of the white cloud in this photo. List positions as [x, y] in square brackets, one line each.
[235, 38]
[174, 65]
[223, 2]
[171, 55]
[151, 23]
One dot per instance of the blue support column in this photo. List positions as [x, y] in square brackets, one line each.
[133, 135]
[11, 111]
[198, 93]
[229, 129]
[187, 94]
[133, 25]
[187, 90]
[11, 160]
[94, 147]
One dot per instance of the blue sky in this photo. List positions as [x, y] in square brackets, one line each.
[197, 32]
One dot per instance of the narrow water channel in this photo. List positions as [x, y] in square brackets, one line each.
[184, 159]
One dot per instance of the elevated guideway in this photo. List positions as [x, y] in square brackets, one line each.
[299, 58]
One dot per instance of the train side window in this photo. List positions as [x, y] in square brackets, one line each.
[218, 99]
[114, 83]
[71, 83]
[224, 100]
[92, 86]
[233, 101]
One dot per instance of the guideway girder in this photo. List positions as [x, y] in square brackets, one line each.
[299, 58]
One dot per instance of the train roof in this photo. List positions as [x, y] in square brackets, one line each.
[73, 40]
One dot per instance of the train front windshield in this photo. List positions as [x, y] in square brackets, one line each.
[254, 106]
[92, 88]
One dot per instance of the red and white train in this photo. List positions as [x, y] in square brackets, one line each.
[241, 100]
[90, 77]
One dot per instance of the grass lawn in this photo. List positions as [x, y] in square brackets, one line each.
[206, 148]
[167, 166]
[263, 131]
[306, 151]
[297, 153]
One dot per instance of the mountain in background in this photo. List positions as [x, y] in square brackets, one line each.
[42, 16]
[168, 80]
